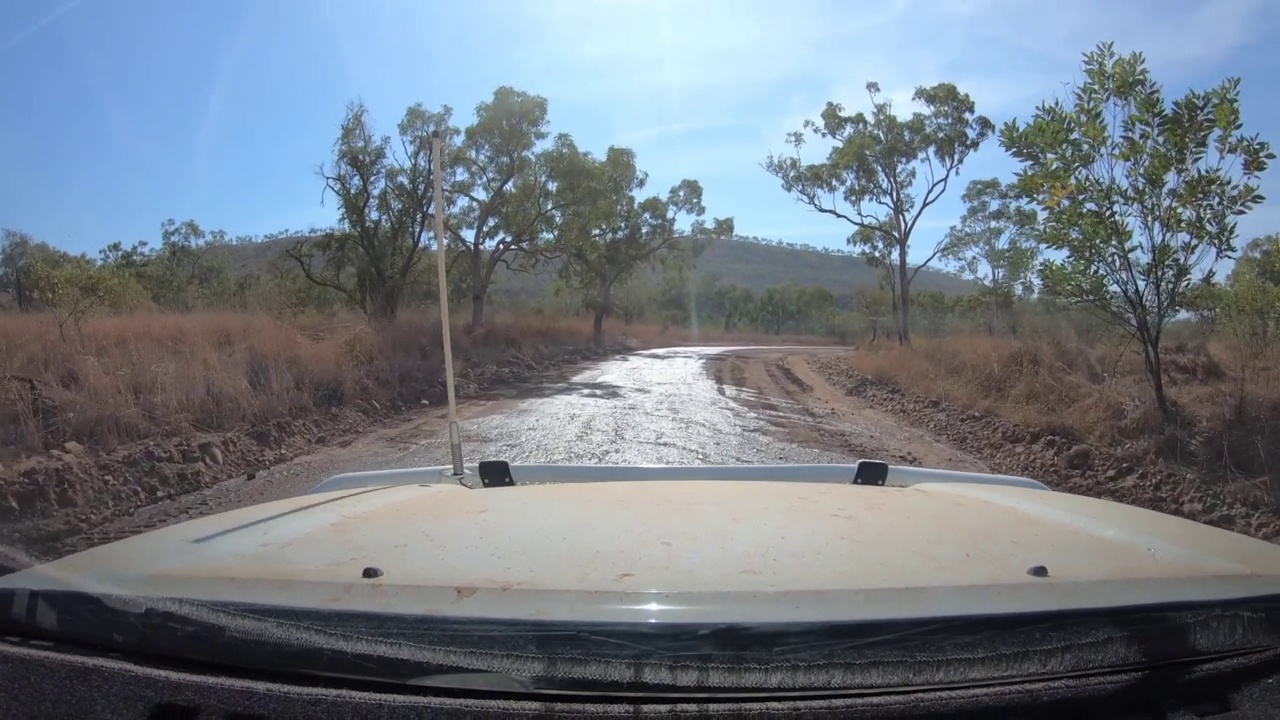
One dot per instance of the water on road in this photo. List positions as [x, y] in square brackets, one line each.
[654, 407]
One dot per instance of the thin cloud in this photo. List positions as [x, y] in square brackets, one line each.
[38, 25]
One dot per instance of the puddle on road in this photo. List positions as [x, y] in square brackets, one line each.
[658, 407]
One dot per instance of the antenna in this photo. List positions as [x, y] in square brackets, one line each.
[455, 432]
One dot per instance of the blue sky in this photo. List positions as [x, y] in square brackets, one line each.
[122, 113]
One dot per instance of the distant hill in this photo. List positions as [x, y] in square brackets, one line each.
[757, 265]
[750, 262]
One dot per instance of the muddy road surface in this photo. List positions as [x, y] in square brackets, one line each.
[707, 406]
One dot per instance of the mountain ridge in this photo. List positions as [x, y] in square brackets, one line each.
[751, 262]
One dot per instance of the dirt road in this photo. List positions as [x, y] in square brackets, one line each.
[669, 406]
[779, 385]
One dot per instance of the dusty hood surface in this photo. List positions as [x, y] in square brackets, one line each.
[683, 551]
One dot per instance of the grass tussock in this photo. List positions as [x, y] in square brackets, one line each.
[1226, 404]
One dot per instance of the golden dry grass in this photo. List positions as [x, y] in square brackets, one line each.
[129, 378]
[121, 379]
[1227, 405]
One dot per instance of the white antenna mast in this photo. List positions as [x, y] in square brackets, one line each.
[455, 432]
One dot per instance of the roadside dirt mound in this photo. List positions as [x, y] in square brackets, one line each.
[46, 499]
[1059, 462]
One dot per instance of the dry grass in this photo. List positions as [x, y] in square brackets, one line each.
[131, 378]
[1228, 406]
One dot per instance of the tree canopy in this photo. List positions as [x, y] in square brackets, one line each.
[385, 207]
[1140, 194]
[506, 188]
[995, 244]
[882, 172]
[612, 231]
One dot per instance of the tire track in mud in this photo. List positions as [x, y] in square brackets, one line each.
[788, 397]
[728, 370]
[784, 369]
[785, 380]
[804, 409]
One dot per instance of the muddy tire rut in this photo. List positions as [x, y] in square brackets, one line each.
[805, 409]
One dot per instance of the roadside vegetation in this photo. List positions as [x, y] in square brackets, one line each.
[1105, 319]
[1091, 303]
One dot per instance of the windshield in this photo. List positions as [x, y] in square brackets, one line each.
[1023, 260]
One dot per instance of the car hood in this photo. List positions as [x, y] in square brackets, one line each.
[679, 551]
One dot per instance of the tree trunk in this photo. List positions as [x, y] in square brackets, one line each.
[477, 310]
[20, 291]
[477, 288]
[602, 309]
[597, 327]
[385, 302]
[1155, 374]
[1157, 384]
[904, 298]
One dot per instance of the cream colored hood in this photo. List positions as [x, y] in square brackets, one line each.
[714, 549]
